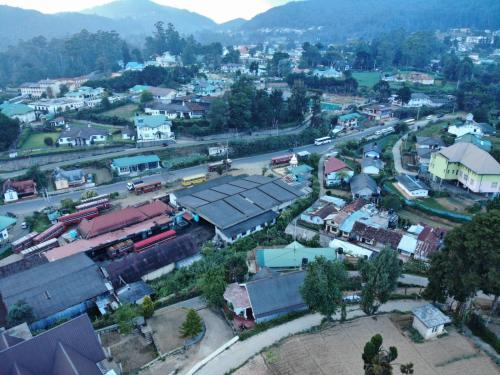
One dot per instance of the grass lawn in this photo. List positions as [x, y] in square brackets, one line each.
[366, 79]
[432, 130]
[35, 140]
[126, 111]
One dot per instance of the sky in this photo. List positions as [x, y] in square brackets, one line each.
[218, 10]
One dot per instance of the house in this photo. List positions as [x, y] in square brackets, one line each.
[57, 121]
[411, 187]
[292, 256]
[128, 134]
[138, 89]
[14, 190]
[421, 78]
[72, 347]
[57, 105]
[375, 238]
[134, 66]
[371, 166]
[470, 166]
[429, 240]
[135, 165]
[6, 222]
[66, 179]
[166, 60]
[350, 249]
[372, 150]
[336, 172]
[419, 100]
[407, 246]
[300, 172]
[429, 321]
[330, 72]
[92, 97]
[162, 94]
[268, 296]
[378, 112]
[154, 128]
[134, 293]
[332, 223]
[317, 213]
[170, 110]
[22, 112]
[425, 146]
[468, 127]
[55, 290]
[364, 186]
[82, 136]
[476, 140]
[349, 121]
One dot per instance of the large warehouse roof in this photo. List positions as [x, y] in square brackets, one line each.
[229, 201]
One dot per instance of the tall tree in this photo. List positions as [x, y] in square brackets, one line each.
[212, 285]
[236, 268]
[380, 277]
[383, 90]
[323, 285]
[378, 361]
[241, 100]
[404, 94]
[193, 324]
[297, 104]
[276, 102]
[316, 120]
[9, 131]
[218, 114]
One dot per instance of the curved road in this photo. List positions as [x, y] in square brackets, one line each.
[29, 206]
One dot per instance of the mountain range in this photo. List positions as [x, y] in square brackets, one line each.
[327, 20]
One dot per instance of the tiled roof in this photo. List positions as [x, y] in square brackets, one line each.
[334, 165]
[379, 235]
[25, 186]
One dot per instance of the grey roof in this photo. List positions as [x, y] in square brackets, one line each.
[72, 175]
[169, 108]
[230, 201]
[82, 132]
[70, 348]
[369, 162]
[363, 181]
[430, 141]
[411, 183]
[431, 316]
[278, 294]
[474, 158]
[133, 292]
[244, 226]
[424, 153]
[54, 287]
[372, 147]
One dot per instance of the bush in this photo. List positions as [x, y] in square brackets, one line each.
[416, 267]
[193, 324]
[476, 325]
[48, 141]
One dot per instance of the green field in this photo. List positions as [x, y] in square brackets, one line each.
[126, 111]
[432, 130]
[35, 140]
[367, 79]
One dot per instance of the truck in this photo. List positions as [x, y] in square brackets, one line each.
[147, 188]
[132, 184]
[225, 164]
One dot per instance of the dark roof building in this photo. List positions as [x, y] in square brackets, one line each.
[363, 186]
[70, 348]
[134, 266]
[237, 206]
[276, 295]
[53, 288]
[375, 236]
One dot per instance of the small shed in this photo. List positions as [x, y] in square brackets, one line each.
[429, 321]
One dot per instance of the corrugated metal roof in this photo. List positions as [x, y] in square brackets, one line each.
[291, 257]
[135, 160]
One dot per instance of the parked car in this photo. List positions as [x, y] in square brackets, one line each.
[11, 214]
[24, 225]
[352, 299]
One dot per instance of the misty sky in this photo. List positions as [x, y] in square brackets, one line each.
[218, 10]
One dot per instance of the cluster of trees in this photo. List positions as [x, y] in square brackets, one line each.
[468, 262]
[150, 76]
[246, 108]
[80, 54]
[9, 131]
[379, 361]
[348, 85]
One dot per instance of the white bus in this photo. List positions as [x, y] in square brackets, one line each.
[410, 121]
[322, 141]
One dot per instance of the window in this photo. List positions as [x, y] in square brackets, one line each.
[494, 185]
[434, 329]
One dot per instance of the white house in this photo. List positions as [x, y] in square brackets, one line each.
[350, 249]
[82, 136]
[153, 128]
[371, 166]
[429, 321]
[407, 245]
[171, 111]
[469, 127]
[57, 105]
[412, 187]
[6, 223]
[21, 112]
[419, 100]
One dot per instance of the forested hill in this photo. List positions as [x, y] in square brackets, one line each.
[338, 20]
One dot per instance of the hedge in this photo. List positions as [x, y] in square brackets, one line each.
[476, 325]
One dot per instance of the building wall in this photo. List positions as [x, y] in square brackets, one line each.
[4, 234]
[427, 333]
[159, 272]
[10, 196]
[267, 318]
[69, 313]
[420, 193]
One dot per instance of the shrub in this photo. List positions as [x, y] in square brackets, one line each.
[48, 141]
[476, 325]
[193, 324]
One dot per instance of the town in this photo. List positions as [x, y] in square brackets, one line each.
[250, 201]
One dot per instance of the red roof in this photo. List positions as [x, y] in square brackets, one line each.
[429, 241]
[335, 165]
[25, 186]
[122, 218]
[154, 239]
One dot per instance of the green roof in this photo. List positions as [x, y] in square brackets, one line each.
[10, 110]
[6, 221]
[349, 116]
[153, 121]
[291, 256]
[135, 160]
[139, 88]
[326, 106]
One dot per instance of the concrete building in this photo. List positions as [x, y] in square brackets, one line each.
[335, 171]
[6, 223]
[411, 187]
[21, 112]
[429, 321]
[135, 165]
[82, 136]
[154, 128]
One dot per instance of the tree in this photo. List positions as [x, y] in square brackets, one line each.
[380, 277]
[212, 285]
[316, 120]
[241, 101]
[146, 97]
[68, 205]
[391, 202]
[48, 141]
[323, 284]
[105, 103]
[254, 67]
[148, 307]
[193, 324]
[9, 130]
[87, 194]
[19, 313]
[383, 90]
[404, 94]
[377, 360]
[468, 262]
[34, 173]
[276, 102]
[63, 89]
[218, 114]
[297, 104]
[236, 268]
[123, 316]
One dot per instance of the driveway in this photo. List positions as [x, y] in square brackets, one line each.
[236, 355]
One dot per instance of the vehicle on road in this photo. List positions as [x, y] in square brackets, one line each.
[322, 141]
[193, 180]
[281, 160]
[24, 225]
[225, 164]
[147, 188]
[132, 184]
[409, 121]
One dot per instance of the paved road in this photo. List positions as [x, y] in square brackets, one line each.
[37, 204]
[243, 350]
